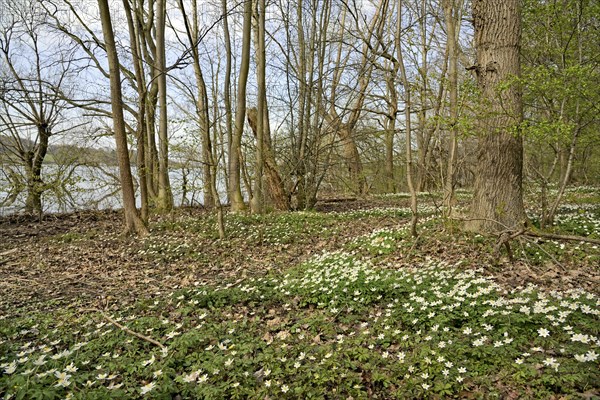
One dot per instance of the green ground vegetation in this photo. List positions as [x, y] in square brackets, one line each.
[381, 315]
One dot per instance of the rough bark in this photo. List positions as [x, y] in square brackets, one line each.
[498, 196]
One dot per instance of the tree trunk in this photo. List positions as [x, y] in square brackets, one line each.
[34, 162]
[133, 222]
[148, 49]
[452, 50]
[141, 114]
[141, 169]
[33, 202]
[407, 118]
[498, 196]
[211, 195]
[276, 189]
[152, 152]
[257, 201]
[390, 124]
[423, 135]
[352, 157]
[209, 163]
[235, 153]
[303, 107]
[390, 132]
[227, 83]
[548, 218]
[209, 200]
[165, 196]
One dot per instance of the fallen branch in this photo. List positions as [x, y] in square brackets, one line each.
[414, 243]
[18, 279]
[230, 285]
[549, 255]
[337, 200]
[127, 330]
[562, 237]
[527, 232]
[8, 252]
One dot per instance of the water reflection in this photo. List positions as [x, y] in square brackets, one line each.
[96, 188]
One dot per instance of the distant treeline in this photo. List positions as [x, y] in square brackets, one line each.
[62, 153]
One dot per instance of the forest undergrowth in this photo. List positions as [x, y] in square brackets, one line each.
[339, 303]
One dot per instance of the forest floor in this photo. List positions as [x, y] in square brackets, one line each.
[69, 263]
[81, 259]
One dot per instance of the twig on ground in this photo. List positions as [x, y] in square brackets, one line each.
[126, 329]
[572, 238]
[19, 279]
[415, 243]
[230, 285]
[8, 252]
[5, 254]
[549, 255]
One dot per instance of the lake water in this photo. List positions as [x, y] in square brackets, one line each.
[97, 188]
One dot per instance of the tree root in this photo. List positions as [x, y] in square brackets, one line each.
[504, 240]
[507, 235]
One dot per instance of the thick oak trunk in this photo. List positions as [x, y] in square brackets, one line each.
[498, 197]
